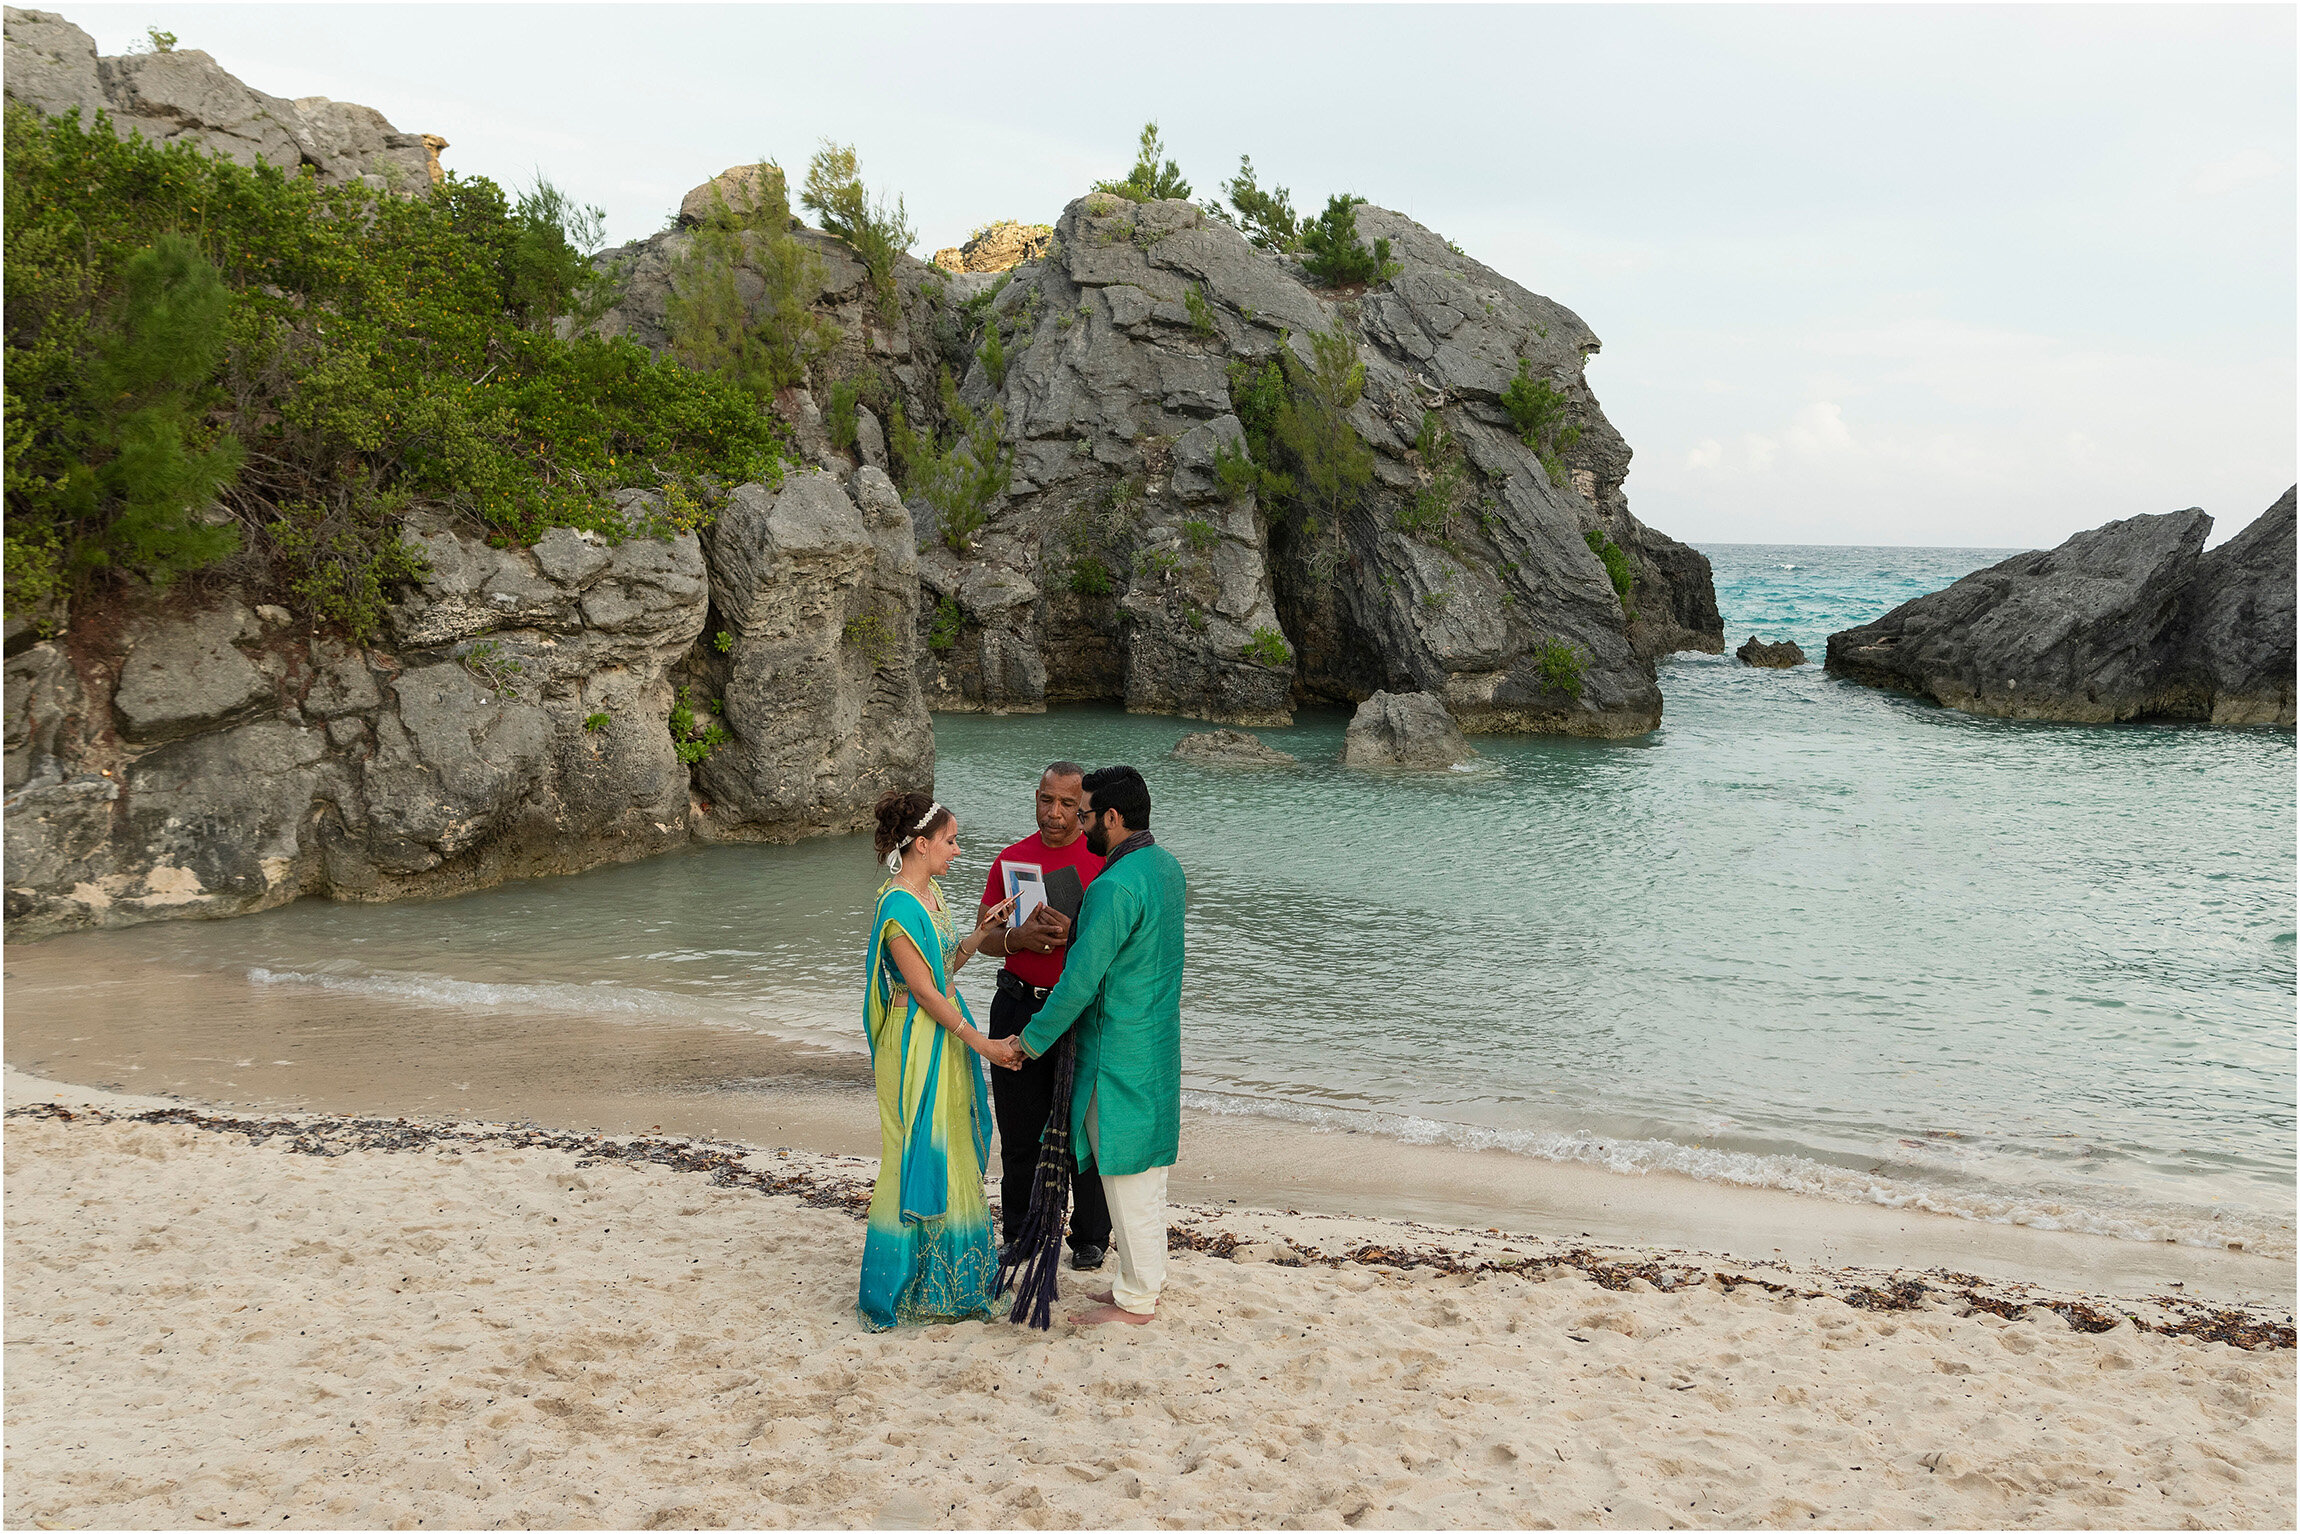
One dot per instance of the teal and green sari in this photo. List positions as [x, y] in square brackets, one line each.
[927, 1252]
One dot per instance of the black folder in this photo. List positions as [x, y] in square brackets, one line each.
[1065, 891]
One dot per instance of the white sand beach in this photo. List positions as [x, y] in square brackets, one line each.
[473, 1331]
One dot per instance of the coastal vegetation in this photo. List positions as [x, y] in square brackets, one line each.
[1538, 411]
[1562, 664]
[1268, 647]
[764, 346]
[1148, 181]
[1618, 569]
[1300, 448]
[835, 193]
[209, 362]
[961, 475]
[1328, 244]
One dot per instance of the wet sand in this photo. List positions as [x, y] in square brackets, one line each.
[216, 1038]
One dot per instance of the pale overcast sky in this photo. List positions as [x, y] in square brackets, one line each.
[1924, 275]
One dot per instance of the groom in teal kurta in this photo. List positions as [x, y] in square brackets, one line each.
[1122, 989]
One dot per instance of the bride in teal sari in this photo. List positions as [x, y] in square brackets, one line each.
[928, 1254]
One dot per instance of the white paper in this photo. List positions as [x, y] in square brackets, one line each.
[1028, 881]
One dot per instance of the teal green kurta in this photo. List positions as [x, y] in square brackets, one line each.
[1122, 987]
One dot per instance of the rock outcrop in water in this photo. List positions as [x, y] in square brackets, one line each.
[2128, 621]
[1777, 656]
[1404, 730]
[182, 94]
[1117, 566]
[1229, 748]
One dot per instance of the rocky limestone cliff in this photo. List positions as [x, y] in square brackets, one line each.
[184, 95]
[1117, 568]
[196, 756]
[2128, 621]
[543, 710]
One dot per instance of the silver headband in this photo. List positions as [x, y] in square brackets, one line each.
[932, 810]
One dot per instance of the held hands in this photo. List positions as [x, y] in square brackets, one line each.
[1005, 1052]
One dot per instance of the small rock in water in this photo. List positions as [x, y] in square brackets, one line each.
[1229, 748]
[1411, 729]
[1756, 652]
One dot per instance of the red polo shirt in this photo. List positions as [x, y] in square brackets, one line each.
[1040, 969]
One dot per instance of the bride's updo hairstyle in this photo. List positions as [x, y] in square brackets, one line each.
[899, 817]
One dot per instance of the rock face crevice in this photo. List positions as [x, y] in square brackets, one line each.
[2131, 620]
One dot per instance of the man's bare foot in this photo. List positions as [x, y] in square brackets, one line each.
[1105, 1297]
[1102, 1315]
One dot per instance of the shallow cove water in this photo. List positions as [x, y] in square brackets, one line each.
[1804, 936]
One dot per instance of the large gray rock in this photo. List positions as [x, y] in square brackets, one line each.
[2236, 663]
[52, 66]
[186, 676]
[816, 585]
[2127, 621]
[1404, 730]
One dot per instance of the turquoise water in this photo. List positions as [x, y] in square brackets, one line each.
[1805, 935]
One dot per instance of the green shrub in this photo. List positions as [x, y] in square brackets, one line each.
[368, 351]
[1432, 510]
[693, 739]
[1156, 564]
[1148, 181]
[1268, 218]
[1201, 313]
[839, 417]
[493, 668]
[1196, 618]
[340, 561]
[1268, 648]
[1538, 412]
[1090, 577]
[722, 641]
[877, 234]
[993, 355]
[1331, 254]
[959, 479]
[1563, 666]
[1298, 417]
[942, 631]
[1618, 568]
[1330, 461]
[594, 723]
[713, 330]
[1201, 535]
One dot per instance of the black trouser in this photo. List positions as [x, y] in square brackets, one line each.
[1020, 1100]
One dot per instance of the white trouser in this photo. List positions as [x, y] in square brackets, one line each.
[1137, 1226]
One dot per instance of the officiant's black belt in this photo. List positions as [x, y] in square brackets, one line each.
[1013, 985]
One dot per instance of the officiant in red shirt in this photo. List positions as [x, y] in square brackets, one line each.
[1034, 953]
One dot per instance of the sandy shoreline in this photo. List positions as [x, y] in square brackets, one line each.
[212, 1037]
[476, 1330]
